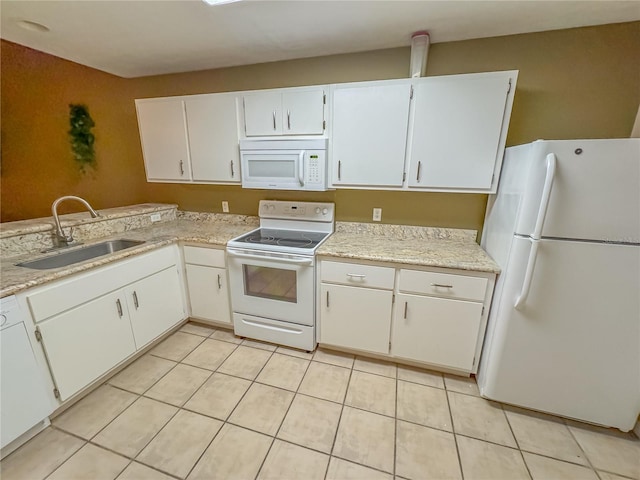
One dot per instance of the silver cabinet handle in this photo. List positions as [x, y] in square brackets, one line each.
[288, 120]
[233, 174]
[219, 282]
[406, 305]
[135, 299]
[356, 275]
[181, 168]
[339, 169]
[442, 285]
[327, 299]
[418, 174]
[119, 306]
[274, 119]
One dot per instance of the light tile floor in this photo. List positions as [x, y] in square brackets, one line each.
[207, 405]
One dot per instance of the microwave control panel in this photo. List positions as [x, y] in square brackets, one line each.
[314, 169]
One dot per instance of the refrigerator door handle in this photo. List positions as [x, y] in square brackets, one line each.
[528, 274]
[546, 195]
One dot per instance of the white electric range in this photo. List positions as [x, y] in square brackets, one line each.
[272, 272]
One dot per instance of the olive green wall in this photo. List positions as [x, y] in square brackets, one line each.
[577, 83]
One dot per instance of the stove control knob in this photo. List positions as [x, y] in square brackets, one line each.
[272, 208]
[3, 319]
[325, 211]
[317, 210]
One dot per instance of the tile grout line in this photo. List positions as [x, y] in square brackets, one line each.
[395, 428]
[342, 405]
[580, 447]
[515, 439]
[453, 432]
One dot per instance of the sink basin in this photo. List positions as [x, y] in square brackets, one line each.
[80, 255]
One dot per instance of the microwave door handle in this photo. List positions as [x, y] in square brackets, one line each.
[301, 169]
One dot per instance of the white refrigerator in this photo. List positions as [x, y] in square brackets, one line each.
[564, 327]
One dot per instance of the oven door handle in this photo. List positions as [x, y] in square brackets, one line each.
[296, 261]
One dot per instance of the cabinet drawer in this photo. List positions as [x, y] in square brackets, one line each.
[443, 285]
[358, 275]
[210, 257]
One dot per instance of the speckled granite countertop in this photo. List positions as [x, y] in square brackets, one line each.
[422, 246]
[188, 228]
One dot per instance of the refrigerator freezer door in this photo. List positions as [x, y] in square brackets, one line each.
[595, 194]
[573, 348]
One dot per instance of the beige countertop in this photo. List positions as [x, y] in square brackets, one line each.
[14, 279]
[422, 246]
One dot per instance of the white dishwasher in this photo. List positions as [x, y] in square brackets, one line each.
[23, 398]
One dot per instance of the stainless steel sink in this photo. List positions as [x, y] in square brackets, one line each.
[80, 255]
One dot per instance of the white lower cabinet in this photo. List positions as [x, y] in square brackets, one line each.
[154, 304]
[87, 341]
[207, 283]
[433, 316]
[89, 323]
[439, 331]
[355, 317]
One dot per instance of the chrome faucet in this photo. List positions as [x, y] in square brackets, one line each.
[64, 240]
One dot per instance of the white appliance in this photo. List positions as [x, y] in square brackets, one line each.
[24, 402]
[564, 326]
[272, 273]
[284, 164]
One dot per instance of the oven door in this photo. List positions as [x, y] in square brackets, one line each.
[272, 285]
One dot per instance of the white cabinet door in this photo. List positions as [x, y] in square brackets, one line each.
[85, 342]
[213, 138]
[355, 317]
[155, 305]
[163, 133]
[263, 114]
[436, 330]
[456, 130]
[369, 134]
[303, 112]
[208, 293]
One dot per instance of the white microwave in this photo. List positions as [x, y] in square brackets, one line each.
[284, 164]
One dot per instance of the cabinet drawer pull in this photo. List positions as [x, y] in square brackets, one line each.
[418, 173]
[356, 275]
[339, 169]
[288, 119]
[442, 285]
[219, 282]
[181, 168]
[327, 299]
[406, 304]
[135, 299]
[274, 119]
[119, 306]
[233, 174]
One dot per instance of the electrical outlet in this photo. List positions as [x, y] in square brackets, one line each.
[155, 217]
[225, 207]
[377, 214]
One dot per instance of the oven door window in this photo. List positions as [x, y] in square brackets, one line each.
[273, 283]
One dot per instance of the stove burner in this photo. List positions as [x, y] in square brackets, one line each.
[284, 238]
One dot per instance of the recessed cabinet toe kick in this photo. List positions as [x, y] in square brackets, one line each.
[432, 316]
[90, 323]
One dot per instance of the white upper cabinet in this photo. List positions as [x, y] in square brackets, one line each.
[291, 111]
[459, 130]
[163, 136]
[369, 133]
[212, 123]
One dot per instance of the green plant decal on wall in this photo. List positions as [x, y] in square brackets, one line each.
[82, 139]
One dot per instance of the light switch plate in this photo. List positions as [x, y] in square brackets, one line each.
[225, 207]
[377, 214]
[155, 217]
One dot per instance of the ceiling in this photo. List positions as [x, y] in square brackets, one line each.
[139, 38]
